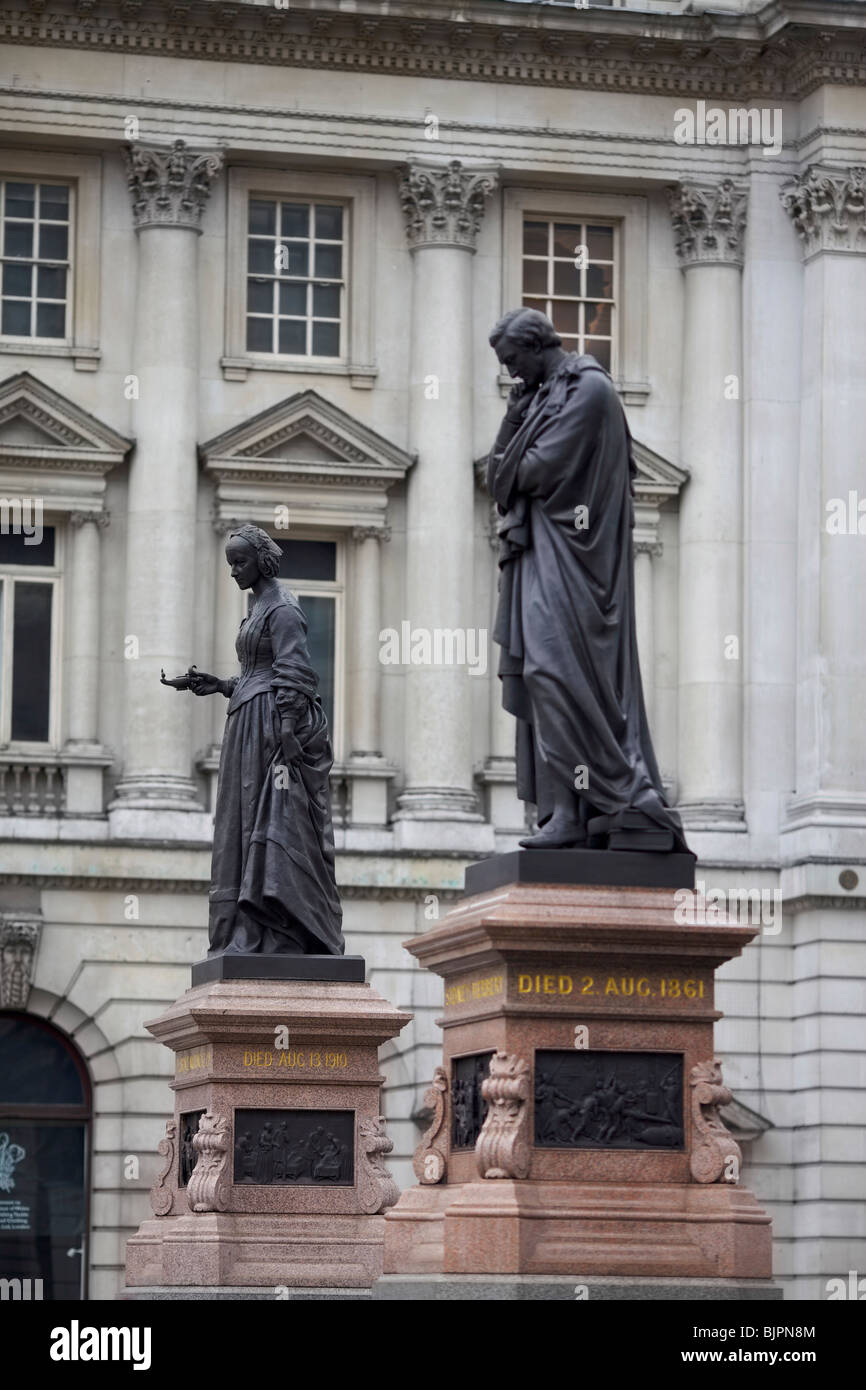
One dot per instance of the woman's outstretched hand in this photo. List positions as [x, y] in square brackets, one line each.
[201, 683]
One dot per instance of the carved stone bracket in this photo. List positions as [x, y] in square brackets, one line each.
[170, 187]
[828, 208]
[429, 1160]
[503, 1147]
[714, 1146]
[376, 1186]
[709, 222]
[208, 1187]
[443, 205]
[160, 1194]
[19, 942]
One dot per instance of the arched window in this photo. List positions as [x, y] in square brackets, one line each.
[44, 1160]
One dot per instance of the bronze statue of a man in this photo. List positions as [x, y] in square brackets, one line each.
[561, 474]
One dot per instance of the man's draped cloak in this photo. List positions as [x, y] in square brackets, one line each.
[566, 619]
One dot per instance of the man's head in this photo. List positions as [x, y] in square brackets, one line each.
[525, 341]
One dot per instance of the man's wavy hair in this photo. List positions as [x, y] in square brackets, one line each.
[527, 328]
[268, 553]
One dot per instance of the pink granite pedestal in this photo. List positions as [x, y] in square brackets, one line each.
[255, 1213]
[584, 1017]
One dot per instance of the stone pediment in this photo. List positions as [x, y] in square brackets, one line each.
[657, 479]
[308, 439]
[40, 429]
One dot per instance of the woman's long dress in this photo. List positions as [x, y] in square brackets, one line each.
[273, 885]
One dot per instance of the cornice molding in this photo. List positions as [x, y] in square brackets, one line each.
[828, 208]
[785, 50]
[709, 221]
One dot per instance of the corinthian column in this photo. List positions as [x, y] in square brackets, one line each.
[709, 223]
[367, 770]
[443, 206]
[83, 755]
[828, 209]
[169, 189]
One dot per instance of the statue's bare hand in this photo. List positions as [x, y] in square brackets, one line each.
[518, 401]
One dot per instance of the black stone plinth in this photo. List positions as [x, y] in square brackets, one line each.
[600, 867]
[228, 966]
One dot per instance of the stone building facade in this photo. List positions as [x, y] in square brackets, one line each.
[251, 255]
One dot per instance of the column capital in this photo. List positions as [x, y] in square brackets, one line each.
[78, 519]
[649, 547]
[170, 187]
[709, 221]
[371, 533]
[443, 204]
[828, 208]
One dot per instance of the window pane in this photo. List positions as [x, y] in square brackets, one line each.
[600, 243]
[295, 259]
[31, 662]
[295, 219]
[320, 612]
[17, 279]
[597, 319]
[308, 560]
[262, 217]
[20, 199]
[535, 238]
[535, 277]
[599, 281]
[329, 261]
[326, 340]
[48, 1201]
[18, 534]
[566, 317]
[293, 299]
[53, 242]
[260, 335]
[16, 318]
[260, 258]
[329, 223]
[566, 278]
[600, 349]
[50, 320]
[566, 239]
[51, 282]
[35, 1067]
[260, 296]
[18, 239]
[326, 301]
[54, 202]
[293, 336]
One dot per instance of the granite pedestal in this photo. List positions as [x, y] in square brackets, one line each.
[274, 1175]
[575, 1128]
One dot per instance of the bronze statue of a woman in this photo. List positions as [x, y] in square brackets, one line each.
[273, 888]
